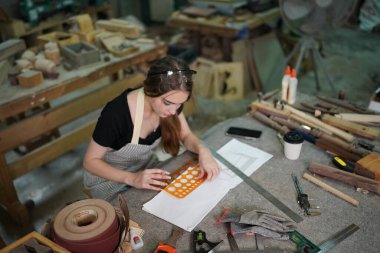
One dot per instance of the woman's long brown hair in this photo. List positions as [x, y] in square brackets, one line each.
[157, 83]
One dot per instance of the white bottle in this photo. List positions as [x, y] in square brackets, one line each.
[292, 88]
[136, 241]
[285, 84]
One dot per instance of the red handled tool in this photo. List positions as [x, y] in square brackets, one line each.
[169, 245]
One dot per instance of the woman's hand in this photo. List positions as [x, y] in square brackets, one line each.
[208, 164]
[149, 179]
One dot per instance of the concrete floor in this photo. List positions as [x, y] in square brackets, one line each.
[351, 57]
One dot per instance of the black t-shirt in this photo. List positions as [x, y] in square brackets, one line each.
[114, 128]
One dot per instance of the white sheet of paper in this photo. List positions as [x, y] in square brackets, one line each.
[244, 157]
[189, 211]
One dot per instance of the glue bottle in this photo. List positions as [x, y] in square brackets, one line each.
[285, 84]
[292, 88]
[136, 241]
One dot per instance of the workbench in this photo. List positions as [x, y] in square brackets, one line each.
[227, 28]
[275, 177]
[28, 114]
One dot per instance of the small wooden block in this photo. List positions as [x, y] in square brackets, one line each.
[53, 55]
[369, 166]
[30, 78]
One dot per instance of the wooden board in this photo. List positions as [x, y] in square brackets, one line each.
[354, 128]
[113, 41]
[228, 81]
[11, 47]
[239, 54]
[369, 166]
[40, 238]
[119, 26]
[268, 56]
[204, 77]
[195, 11]
[16, 135]
[62, 38]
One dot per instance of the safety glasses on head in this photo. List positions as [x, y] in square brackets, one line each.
[183, 75]
[173, 72]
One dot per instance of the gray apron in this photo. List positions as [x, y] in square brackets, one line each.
[132, 157]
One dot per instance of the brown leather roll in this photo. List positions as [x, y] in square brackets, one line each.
[87, 226]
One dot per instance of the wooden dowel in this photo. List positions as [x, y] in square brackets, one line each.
[342, 134]
[359, 117]
[265, 120]
[354, 128]
[331, 189]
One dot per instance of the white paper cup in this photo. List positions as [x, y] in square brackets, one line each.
[292, 145]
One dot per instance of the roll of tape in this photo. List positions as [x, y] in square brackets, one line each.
[87, 226]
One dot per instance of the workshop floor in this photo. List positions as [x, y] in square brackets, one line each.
[351, 57]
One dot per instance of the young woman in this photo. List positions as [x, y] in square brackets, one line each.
[133, 124]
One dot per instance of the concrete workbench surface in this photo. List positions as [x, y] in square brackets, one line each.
[275, 177]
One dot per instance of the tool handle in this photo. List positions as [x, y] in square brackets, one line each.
[164, 248]
[331, 189]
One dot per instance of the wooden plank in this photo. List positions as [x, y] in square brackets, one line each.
[351, 127]
[257, 83]
[11, 47]
[228, 81]
[359, 117]
[210, 26]
[8, 195]
[51, 151]
[369, 166]
[15, 135]
[239, 54]
[346, 177]
[340, 133]
[28, 102]
[326, 145]
[267, 55]
[40, 238]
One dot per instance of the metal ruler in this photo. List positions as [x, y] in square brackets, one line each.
[286, 210]
[337, 238]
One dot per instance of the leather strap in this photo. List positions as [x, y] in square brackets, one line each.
[138, 116]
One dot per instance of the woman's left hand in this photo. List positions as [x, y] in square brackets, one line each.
[208, 164]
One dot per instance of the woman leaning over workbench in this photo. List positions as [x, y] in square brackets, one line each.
[130, 126]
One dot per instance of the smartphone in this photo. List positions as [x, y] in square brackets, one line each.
[243, 133]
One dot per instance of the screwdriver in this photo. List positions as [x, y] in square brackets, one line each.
[341, 164]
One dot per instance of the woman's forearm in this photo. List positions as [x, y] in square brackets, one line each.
[102, 169]
[193, 144]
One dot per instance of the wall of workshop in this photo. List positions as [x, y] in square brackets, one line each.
[146, 11]
[10, 8]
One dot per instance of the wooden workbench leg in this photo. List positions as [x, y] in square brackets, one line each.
[196, 36]
[2, 243]
[227, 49]
[8, 195]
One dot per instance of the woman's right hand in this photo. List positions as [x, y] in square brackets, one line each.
[149, 179]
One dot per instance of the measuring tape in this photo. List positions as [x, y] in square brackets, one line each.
[286, 210]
